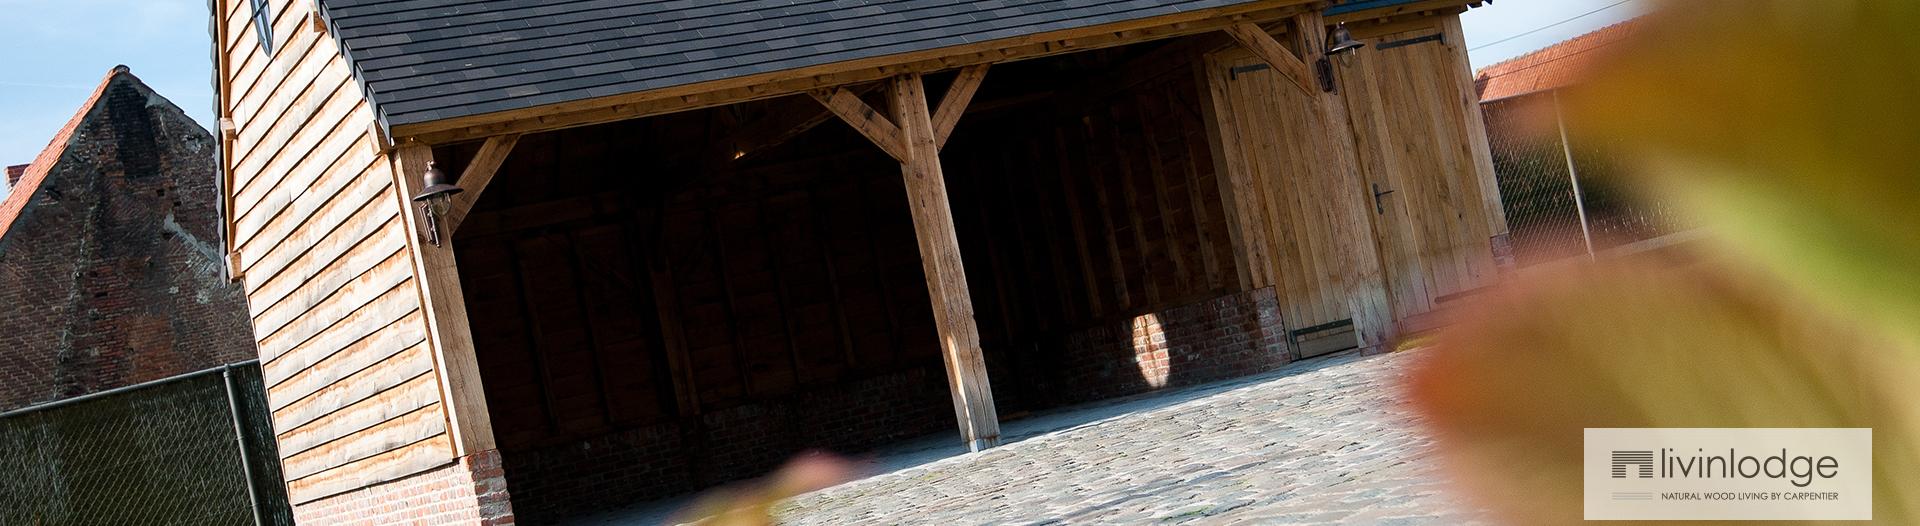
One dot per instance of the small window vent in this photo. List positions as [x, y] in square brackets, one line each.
[263, 24]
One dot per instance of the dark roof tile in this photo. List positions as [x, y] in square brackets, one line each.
[427, 60]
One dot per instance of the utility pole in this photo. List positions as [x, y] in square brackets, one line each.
[1579, 199]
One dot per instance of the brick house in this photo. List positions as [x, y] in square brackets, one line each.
[110, 262]
[694, 238]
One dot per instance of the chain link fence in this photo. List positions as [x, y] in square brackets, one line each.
[1565, 192]
[195, 449]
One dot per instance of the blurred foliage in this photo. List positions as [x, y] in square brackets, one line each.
[752, 503]
[1790, 126]
[1787, 127]
[1653, 343]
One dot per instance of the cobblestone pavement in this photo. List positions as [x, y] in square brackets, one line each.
[1322, 441]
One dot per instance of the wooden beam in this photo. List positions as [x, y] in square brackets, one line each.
[864, 119]
[1069, 159]
[666, 305]
[223, 100]
[474, 179]
[777, 126]
[1180, 54]
[782, 83]
[954, 104]
[822, 232]
[1256, 40]
[940, 258]
[1415, 8]
[437, 276]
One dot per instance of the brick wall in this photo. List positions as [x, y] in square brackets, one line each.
[1225, 337]
[662, 460]
[471, 491]
[111, 273]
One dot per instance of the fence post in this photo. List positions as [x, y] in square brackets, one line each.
[240, 439]
[1579, 198]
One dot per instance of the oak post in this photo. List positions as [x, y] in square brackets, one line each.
[940, 257]
[438, 277]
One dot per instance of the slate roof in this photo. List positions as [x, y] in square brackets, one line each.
[428, 60]
[1362, 5]
[1557, 66]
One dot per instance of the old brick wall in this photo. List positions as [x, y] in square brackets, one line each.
[1226, 337]
[471, 491]
[111, 273]
[1230, 336]
[652, 462]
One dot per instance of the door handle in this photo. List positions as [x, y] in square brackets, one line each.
[1378, 205]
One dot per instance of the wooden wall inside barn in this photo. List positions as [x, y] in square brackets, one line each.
[610, 310]
[1089, 212]
[607, 295]
[316, 227]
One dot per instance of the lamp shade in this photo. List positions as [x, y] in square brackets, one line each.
[437, 184]
[1340, 41]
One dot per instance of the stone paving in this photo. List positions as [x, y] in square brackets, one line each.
[1324, 441]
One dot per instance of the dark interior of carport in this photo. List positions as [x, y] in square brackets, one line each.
[666, 304]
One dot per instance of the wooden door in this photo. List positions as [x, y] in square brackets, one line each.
[1416, 125]
[1287, 197]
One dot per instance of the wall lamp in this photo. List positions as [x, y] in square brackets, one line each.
[1339, 42]
[435, 199]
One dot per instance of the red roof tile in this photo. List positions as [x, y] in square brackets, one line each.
[29, 180]
[1556, 66]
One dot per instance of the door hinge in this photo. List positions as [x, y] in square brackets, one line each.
[1436, 37]
[1234, 73]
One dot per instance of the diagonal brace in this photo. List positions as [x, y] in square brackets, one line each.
[866, 120]
[1263, 45]
[954, 104]
[479, 172]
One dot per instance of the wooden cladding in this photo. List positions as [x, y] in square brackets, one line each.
[1296, 184]
[1440, 206]
[1368, 203]
[316, 231]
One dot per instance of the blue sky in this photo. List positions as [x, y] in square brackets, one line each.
[53, 52]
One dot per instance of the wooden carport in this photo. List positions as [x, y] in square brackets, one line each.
[1301, 159]
[913, 134]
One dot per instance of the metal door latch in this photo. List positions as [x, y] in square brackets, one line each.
[1378, 205]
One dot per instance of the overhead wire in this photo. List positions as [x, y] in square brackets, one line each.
[1549, 26]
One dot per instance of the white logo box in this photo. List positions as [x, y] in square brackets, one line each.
[1728, 474]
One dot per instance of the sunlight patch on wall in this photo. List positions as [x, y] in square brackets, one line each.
[1150, 349]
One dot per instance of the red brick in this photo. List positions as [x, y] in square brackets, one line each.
[110, 254]
[459, 493]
